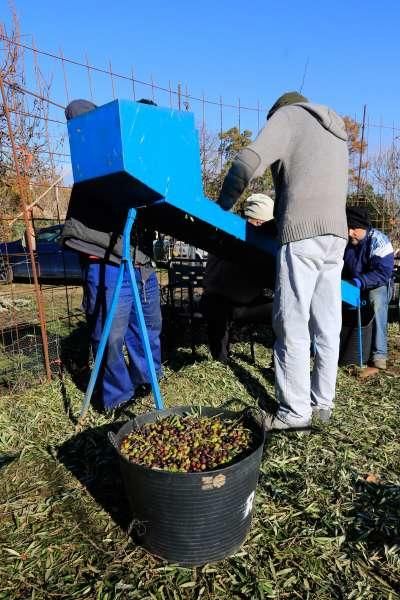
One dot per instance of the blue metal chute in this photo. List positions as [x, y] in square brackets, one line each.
[350, 294]
[130, 155]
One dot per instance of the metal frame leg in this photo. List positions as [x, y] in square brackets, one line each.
[360, 346]
[126, 257]
[145, 339]
[126, 263]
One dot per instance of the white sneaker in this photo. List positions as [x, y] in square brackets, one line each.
[379, 363]
[280, 423]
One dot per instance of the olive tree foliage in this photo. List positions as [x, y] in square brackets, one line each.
[218, 152]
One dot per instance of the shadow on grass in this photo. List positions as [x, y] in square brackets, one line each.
[267, 372]
[6, 459]
[177, 335]
[375, 521]
[234, 404]
[74, 354]
[66, 399]
[375, 517]
[180, 358]
[255, 389]
[90, 458]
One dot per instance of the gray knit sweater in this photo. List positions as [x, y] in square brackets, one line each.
[305, 145]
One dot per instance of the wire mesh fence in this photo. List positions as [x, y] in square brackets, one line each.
[40, 293]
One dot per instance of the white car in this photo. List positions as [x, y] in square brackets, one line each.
[186, 251]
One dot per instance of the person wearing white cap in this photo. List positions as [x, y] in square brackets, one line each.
[259, 209]
[232, 291]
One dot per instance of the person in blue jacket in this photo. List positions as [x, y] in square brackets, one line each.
[368, 264]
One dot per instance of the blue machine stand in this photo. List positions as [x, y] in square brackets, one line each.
[351, 295]
[360, 347]
[126, 263]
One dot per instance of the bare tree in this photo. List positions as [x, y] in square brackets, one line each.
[386, 173]
[210, 163]
[29, 114]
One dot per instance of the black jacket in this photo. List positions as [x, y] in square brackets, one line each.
[93, 229]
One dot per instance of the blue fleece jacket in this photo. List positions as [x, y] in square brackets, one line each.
[370, 263]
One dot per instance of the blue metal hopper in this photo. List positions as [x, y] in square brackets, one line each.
[131, 155]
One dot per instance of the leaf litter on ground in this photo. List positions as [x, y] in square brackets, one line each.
[327, 514]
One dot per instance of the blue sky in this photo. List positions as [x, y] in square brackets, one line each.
[254, 50]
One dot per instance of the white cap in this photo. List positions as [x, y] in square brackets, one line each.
[259, 206]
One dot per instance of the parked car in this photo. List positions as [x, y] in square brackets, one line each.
[166, 248]
[52, 260]
[55, 262]
[185, 250]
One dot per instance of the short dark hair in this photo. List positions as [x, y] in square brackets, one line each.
[147, 101]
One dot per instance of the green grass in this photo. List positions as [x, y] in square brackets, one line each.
[320, 530]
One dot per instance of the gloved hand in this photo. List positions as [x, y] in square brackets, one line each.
[356, 282]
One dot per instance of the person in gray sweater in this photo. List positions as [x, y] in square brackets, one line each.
[306, 146]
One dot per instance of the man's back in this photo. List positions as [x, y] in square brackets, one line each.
[311, 173]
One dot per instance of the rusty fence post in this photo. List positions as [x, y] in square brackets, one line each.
[22, 190]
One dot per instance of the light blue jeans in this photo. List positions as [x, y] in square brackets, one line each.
[307, 306]
[379, 299]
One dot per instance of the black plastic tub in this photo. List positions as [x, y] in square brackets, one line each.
[192, 518]
[349, 353]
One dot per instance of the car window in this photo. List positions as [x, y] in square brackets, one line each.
[48, 235]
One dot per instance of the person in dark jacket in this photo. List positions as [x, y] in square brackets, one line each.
[96, 232]
[233, 291]
[368, 264]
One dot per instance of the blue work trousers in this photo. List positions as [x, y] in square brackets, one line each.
[379, 299]
[118, 378]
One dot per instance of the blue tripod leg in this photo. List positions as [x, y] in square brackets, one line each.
[360, 346]
[145, 339]
[139, 314]
[103, 341]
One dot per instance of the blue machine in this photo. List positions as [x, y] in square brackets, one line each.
[131, 155]
[127, 155]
